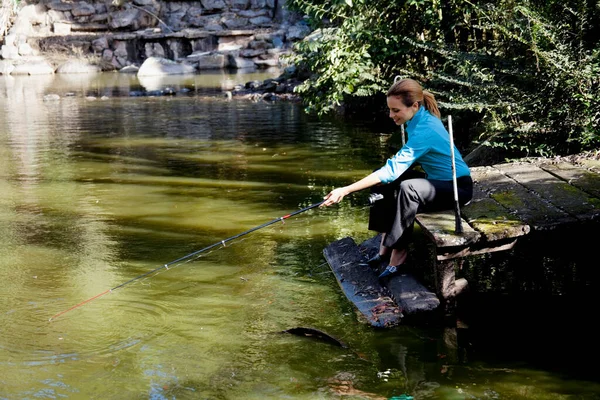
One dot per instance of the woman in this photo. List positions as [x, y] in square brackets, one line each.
[407, 192]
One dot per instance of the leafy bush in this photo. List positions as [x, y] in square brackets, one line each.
[522, 76]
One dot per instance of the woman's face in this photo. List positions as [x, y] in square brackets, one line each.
[399, 112]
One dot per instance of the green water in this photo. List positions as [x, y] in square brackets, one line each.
[99, 190]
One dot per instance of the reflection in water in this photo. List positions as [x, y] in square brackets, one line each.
[95, 193]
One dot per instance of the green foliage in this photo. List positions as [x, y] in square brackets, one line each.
[346, 70]
[523, 75]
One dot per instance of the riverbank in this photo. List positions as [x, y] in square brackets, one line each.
[201, 35]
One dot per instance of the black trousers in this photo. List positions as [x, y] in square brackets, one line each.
[409, 195]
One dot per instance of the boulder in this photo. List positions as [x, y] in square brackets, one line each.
[241, 63]
[6, 67]
[162, 66]
[36, 67]
[213, 61]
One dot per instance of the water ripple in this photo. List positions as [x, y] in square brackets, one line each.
[114, 324]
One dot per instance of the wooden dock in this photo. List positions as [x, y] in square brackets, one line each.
[510, 201]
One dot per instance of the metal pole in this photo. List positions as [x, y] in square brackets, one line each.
[457, 218]
[403, 135]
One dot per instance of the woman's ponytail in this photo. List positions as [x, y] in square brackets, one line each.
[431, 104]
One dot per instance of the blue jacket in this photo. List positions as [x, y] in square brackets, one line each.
[429, 145]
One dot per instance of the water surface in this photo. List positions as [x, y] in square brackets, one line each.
[99, 187]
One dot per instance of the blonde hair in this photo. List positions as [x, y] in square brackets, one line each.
[410, 91]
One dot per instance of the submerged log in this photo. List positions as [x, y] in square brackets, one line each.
[360, 284]
[406, 290]
[382, 303]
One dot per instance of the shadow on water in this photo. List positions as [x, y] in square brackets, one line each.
[535, 304]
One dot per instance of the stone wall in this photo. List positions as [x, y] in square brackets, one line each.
[205, 34]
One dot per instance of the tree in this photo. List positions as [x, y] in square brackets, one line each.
[523, 76]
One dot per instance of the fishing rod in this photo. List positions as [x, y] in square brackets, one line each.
[167, 265]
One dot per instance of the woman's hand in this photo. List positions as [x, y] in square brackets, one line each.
[335, 196]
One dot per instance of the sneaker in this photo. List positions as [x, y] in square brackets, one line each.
[389, 271]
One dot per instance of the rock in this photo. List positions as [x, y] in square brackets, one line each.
[51, 97]
[213, 5]
[267, 63]
[9, 52]
[213, 61]
[129, 69]
[61, 28]
[77, 67]
[253, 13]
[55, 16]
[125, 19]
[241, 63]
[107, 55]
[59, 5]
[36, 67]
[82, 9]
[162, 66]
[240, 4]
[35, 14]
[6, 67]
[100, 44]
[234, 32]
[26, 50]
[154, 50]
[229, 43]
[10, 40]
[298, 31]
[260, 21]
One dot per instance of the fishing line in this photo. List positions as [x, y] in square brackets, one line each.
[190, 260]
[188, 257]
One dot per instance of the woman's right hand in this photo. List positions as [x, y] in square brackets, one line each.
[335, 196]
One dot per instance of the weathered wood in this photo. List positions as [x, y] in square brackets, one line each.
[408, 292]
[360, 284]
[411, 296]
[561, 194]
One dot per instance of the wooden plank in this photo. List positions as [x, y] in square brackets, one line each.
[439, 226]
[481, 247]
[520, 202]
[560, 193]
[413, 298]
[580, 177]
[360, 284]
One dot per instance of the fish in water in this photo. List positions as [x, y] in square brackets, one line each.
[315, 333]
